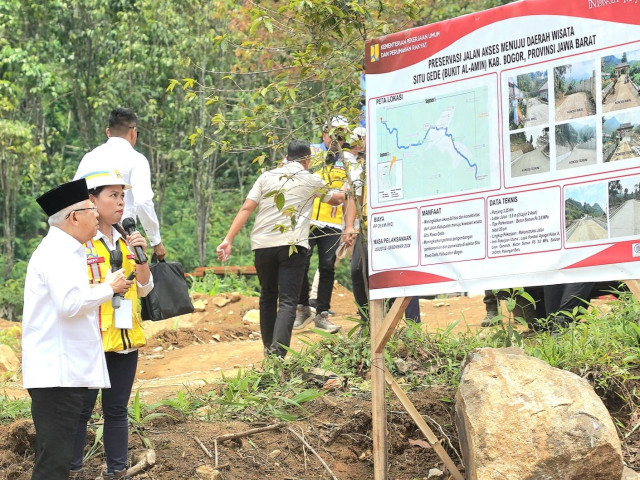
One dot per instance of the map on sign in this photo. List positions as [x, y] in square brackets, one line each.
[433, 146]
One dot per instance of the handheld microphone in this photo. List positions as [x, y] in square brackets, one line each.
[115, 258]
[129, 225]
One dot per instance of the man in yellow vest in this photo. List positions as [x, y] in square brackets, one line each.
[326, 227]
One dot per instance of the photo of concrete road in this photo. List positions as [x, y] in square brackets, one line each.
[586, 229]
[530, 152]
[576, 144]
[621, 136]
[624, 207]
[627, 148]
[529, 163]
[581, 155]
[585, 212]
[575, 90]
[537, 112]
[624, 95]
[528, 100]
[625, 219]
[620, 77]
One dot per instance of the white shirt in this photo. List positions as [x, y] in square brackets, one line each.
[118, 154]
[355, 178]
[299, 188]
[61, 341]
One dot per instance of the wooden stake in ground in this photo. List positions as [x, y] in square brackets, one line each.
[378, 401]
[381, 330]
[424, 428]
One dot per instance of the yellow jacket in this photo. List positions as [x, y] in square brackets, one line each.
[324, 214]
[98, 264]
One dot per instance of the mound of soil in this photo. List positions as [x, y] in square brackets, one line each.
[190, 351]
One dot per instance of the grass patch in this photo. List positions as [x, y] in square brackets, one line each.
[213, 285]
[14, 409]
[601, 346]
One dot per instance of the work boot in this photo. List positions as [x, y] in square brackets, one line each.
[119, 475]
[322, 323]
[492, 318]
[303, 317]
[78, 474]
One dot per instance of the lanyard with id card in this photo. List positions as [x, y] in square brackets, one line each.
[123, 315]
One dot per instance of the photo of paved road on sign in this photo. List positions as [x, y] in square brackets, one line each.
[528, 100]
[624, 207]
[621, 136]
[575, 90]
[585, 211]
[576, 144]
[530, 152]
[620, 81]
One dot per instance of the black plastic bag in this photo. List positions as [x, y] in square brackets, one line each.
[170, 295]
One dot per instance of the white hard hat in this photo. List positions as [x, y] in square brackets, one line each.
[338, 122]
[359, 133]
[102, 178]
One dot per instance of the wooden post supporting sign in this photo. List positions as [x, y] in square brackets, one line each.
[381, 330]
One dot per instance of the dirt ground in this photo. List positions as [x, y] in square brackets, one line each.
[190, 351]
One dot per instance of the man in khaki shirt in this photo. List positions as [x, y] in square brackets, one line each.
[284, 198]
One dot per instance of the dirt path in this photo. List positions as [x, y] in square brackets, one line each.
[576, 105]
[185, 352]
[198, 348]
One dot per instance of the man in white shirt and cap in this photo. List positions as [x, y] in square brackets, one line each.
[62, 352]
[118, 154]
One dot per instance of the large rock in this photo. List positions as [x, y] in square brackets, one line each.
[9, 362]
[520, 419]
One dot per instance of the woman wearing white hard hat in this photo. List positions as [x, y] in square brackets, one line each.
[120, 323]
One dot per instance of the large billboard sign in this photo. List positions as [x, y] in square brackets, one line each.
[503, 149]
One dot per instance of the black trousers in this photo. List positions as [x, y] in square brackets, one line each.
[564, 297]
[327, 239]
[122, 372]
[55, 412]
[280, 276]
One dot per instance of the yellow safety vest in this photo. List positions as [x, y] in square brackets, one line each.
[98, 264]
[334, 176]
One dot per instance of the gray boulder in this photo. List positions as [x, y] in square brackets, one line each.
[520, 419]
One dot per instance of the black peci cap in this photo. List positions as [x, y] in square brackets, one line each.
[62, 196]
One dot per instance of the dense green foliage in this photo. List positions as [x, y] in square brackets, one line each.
[220, 87]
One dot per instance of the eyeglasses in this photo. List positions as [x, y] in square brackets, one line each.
[95, 209]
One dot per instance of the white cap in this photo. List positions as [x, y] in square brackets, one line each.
[359, 133]
[102, 178]
[338, 122]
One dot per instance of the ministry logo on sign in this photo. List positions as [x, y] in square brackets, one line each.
[375, 52]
